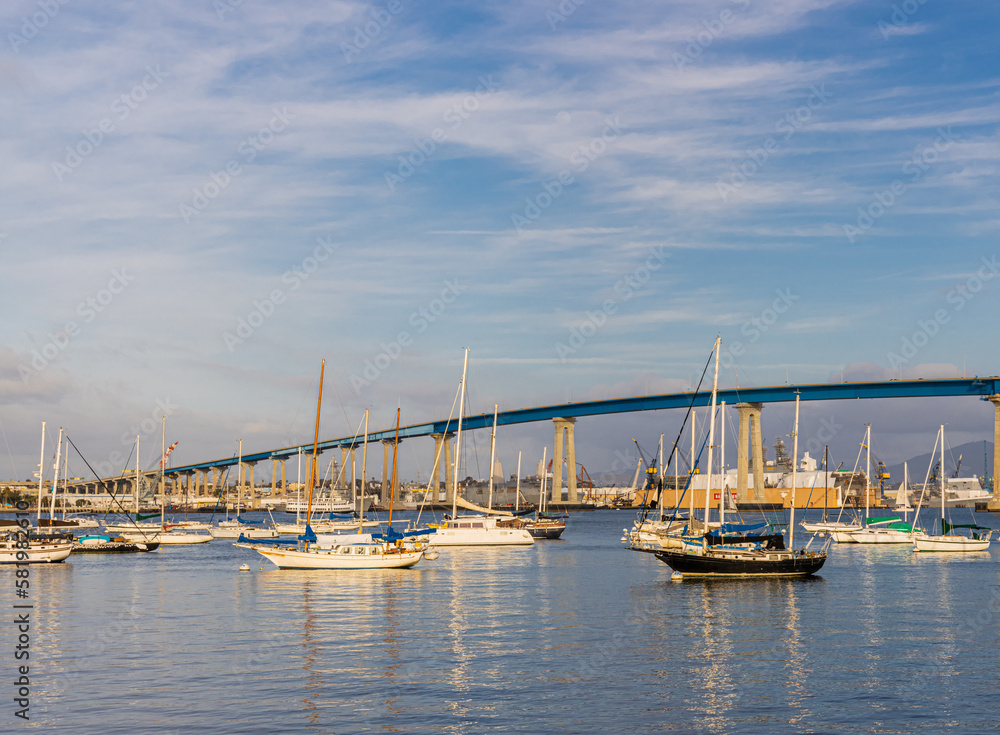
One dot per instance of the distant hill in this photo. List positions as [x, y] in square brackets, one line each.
[972, 462]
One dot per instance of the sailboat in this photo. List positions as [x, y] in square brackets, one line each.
[478, 530]
[735, 550]
[889, 529]
[388, 550]
[19, 547]
[947, 541]
[239, 526]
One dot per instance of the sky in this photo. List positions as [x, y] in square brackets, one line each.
[201, 200]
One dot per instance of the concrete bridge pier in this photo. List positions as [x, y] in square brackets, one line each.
[564, 427]
[994, 504]
[252, 505]
[749, 412]
[386, 464]
[442, 462]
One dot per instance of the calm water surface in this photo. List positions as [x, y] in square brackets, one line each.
[570, 636]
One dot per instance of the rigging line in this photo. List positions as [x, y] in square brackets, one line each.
[347, 419]
[104, 484]
[9, 453]
[694, 397]
[437, 460]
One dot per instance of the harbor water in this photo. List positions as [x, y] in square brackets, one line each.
[577, 635]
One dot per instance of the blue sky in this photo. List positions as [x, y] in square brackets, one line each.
[201, 200]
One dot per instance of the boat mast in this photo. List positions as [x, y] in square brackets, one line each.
[541, 493]
[55, 479]
[795, 467]
[691, 481]
[458, 437]
[517, 488]
[239, 482]
[826, 486]
[163, 462]
[298, 492]
[312, 463]
[392, 485]
[660, 503]
[711, 435]
[364, 469]
[722, 455]
[136, 492]
[65, 479]
[868, 468]
[941, 473]
[493, 454]
[41, 481]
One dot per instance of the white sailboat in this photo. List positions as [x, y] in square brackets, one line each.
[237, 527]
[338, 551]
[480, 530]
[890, 529]
[977, 540]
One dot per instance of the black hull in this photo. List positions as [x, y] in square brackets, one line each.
[543, 532]
[783, 565]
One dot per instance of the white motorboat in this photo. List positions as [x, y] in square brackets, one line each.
[235, 529]
[479, 531]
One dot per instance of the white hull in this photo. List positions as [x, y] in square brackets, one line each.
[296, 530]
[951, 543]
[135, 528]
[39, 552]
[169, 539]
[481, 537]
[830, 527]
[338, 557]
[319, 506]
[885, 536]
[843, 537]
[245, 531]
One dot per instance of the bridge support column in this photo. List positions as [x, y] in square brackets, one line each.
[354, 481]
[284, 487]
[441, 444]
[253, 493]
[274, 477]
[994, 504]
[749, 436]
[564, 426]
[383, 495]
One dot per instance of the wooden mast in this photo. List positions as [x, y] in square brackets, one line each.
[312, 466]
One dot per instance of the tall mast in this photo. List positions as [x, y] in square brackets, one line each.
[163, 463]
[41, 481]
[493, 454]
[541, 494]
[826, 485]
[136, 493]
[364, 483]
[312, 464]
[392, 485]
[868, 468]
[239, 481]
[942, 479]
[795, 467]
[711, 435]
[517, 488]
[65, 478]
[722, 456]
[691, 481]
[55, 479]
[458, 437]
[660, 499]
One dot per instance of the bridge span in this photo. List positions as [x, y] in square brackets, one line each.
[748, 401]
